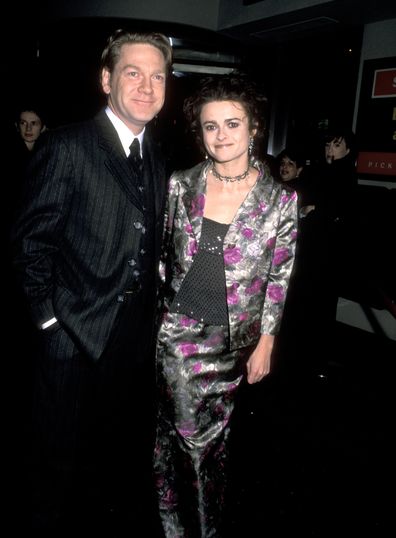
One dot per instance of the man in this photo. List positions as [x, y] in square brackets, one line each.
[30, 125]
[86, 250]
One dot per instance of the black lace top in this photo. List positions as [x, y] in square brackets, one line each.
[202, 295]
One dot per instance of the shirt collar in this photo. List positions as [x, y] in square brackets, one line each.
[125, 134]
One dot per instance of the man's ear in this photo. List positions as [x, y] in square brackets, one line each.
[105, 80]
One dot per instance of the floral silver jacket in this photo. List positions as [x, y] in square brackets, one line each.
[259, 249]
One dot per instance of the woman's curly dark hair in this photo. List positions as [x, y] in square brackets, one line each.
[226, 88]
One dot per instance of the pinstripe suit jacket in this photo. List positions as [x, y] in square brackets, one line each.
[77, 241]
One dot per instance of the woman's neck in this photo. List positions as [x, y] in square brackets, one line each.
[230, 172]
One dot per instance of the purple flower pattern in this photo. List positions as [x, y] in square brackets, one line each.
[255, 286]
[232, 294]
[280, 255]
[271, 242]
[275, 293]
[192, 247]
[232, 255]
[187, 322]
[197, 206]
[248, 233]
[188, 348]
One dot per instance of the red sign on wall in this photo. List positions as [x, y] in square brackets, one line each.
[384, 84]
[381, 163]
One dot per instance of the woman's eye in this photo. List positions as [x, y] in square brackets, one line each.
[233, 124]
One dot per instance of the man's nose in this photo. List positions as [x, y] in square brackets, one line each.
[146, 85]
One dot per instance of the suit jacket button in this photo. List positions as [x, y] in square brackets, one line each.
[131, 262]
[135, 287]
[138, 225]
[120, 299]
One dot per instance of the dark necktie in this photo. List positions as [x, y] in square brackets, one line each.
[134, 155]
[143, 180]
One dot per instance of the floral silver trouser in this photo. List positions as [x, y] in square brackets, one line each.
[197, 379]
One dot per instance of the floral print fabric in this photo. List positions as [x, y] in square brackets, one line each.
[200, 366]
[198, 378]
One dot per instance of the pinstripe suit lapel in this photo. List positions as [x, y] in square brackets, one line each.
[116, 161]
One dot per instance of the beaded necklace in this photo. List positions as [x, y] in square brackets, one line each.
[230, 179]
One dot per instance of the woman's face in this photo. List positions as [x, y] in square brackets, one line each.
[29, 126]
[288, 169]
[336, 149]
[225, 131]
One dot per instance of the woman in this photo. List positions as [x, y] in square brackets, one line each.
[295, 338]
[291, 164]
[292, 170]
[230, 233]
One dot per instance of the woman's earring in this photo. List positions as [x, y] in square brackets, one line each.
[251, 144]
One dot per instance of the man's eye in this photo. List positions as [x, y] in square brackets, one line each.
[159, 78]
[132, 74]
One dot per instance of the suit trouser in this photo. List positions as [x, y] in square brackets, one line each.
[92, 424]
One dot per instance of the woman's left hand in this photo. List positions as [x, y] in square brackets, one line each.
[259, 363]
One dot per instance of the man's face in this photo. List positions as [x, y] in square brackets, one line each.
[136, 88]
[336, 149]
[30, 126]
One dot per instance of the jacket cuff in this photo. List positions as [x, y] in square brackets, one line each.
[42, 312]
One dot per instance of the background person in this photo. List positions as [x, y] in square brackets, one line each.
[228, 255]
[30, 125]
[296, 346]
[323, 256]
[26, 133]
[292, 170]
[86, 251]
[336, 179]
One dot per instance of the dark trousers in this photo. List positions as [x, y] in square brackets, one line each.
[92, 430]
